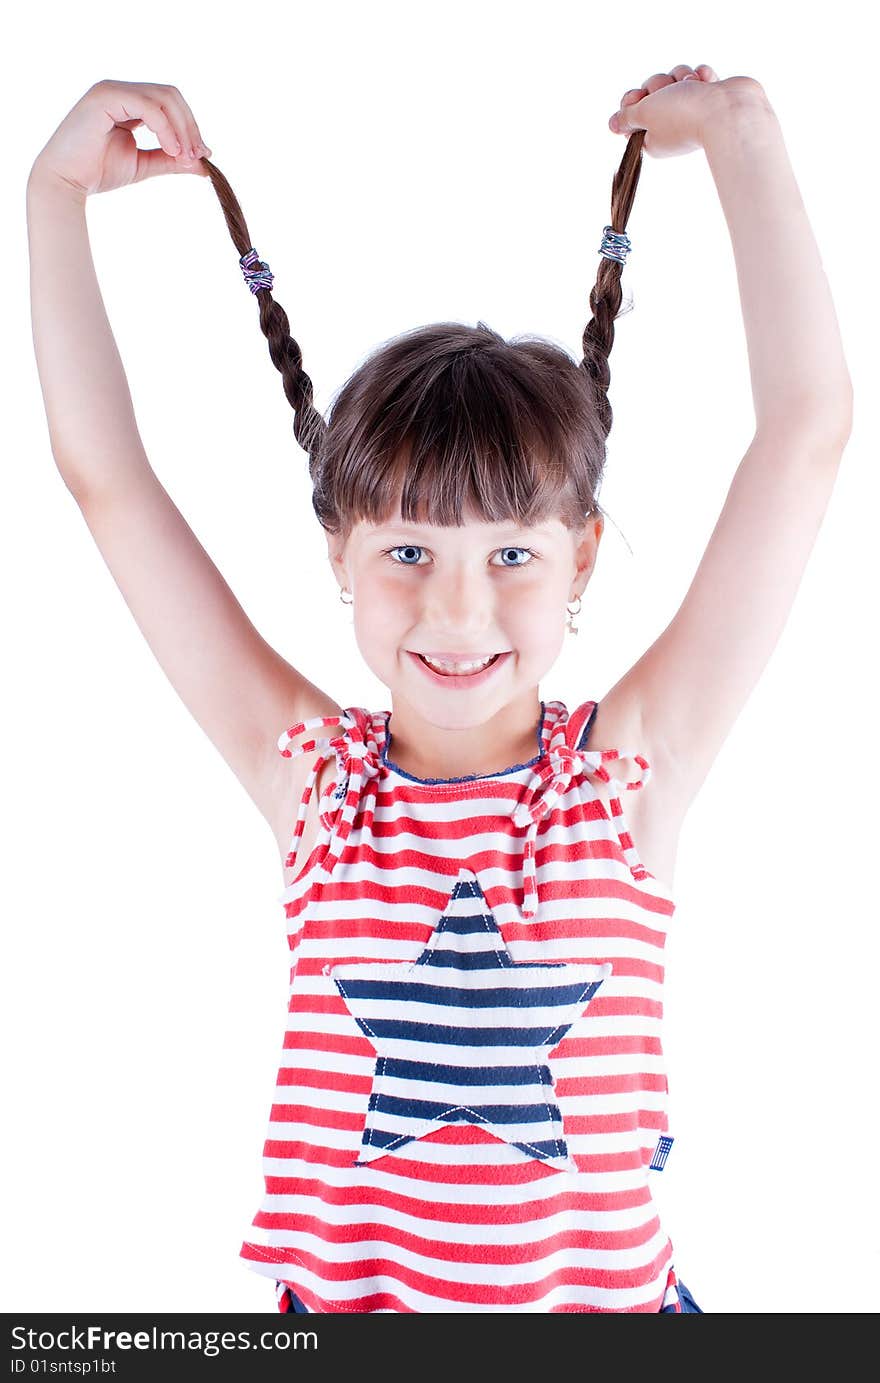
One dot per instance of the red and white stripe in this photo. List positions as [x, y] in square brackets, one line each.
[459, 1220]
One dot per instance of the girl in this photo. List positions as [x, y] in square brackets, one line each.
[471, 1096]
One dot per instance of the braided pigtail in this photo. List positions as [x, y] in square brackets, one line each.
[308, 424]
[606, 297]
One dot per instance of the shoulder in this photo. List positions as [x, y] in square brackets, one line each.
[608, 724]
[605, 724]
[617, 722]
[285, 774]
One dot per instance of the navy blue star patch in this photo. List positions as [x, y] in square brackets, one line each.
[462, 1034]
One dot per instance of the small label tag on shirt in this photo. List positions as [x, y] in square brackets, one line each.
[661, 1152]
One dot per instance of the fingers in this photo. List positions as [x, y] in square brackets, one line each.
[619, 123]
[659, 79]
[676, 74]
[191, 144]
[153, 115]
[163, 110]
[622, 123]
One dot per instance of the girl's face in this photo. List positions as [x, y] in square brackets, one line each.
[464, 593]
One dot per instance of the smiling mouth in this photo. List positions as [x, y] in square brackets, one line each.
[463, 670]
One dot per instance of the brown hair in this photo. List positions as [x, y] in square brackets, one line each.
[449, 418]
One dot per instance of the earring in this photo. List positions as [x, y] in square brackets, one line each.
[342, 597]
[570, 624]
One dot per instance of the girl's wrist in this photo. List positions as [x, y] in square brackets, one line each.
[740, 110]
[43, 182]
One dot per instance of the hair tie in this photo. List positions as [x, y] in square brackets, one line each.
[256, 271]
[615, 245]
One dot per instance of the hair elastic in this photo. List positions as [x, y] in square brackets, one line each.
[615, 245]
[256, 271]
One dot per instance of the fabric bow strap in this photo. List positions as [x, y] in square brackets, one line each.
[550, 782]
[357, 760]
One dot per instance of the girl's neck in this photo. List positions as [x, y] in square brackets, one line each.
[509, 737]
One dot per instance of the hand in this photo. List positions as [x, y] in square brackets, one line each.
[677, 108]
[93, 149]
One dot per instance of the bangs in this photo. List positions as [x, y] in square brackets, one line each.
[456, 425]
[461, 477]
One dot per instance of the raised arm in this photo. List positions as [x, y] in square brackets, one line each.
[239, 689]
[691, 684]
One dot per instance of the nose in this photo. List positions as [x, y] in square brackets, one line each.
[459, 606]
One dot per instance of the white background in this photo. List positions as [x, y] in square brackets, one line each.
[399, 164]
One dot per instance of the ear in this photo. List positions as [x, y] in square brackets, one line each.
[336, 554]
[586, 551]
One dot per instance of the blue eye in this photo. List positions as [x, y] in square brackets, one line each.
[404, 547]
[526, 550]
[413, 548]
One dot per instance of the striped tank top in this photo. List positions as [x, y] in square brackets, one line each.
[471, 1100]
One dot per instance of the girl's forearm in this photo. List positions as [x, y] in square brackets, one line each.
[798, 370]
[91, 420]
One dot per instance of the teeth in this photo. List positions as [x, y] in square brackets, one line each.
[461, 669]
